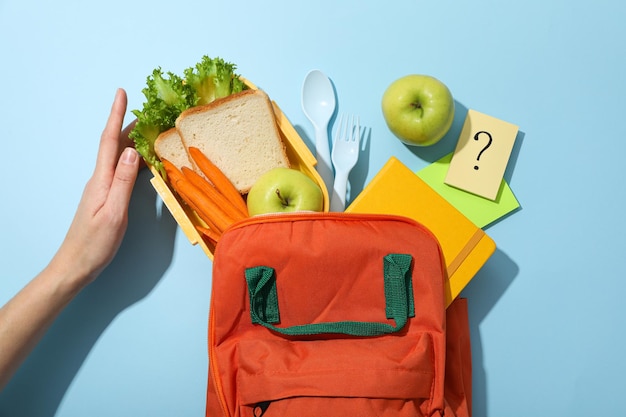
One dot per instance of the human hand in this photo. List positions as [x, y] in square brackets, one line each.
[101, 218]
[90, 244]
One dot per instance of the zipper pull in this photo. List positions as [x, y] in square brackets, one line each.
[260, 408]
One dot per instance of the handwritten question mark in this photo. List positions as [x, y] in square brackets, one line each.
[476, 137]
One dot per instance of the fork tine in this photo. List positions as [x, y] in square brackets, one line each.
[347, 129]
[345, 154]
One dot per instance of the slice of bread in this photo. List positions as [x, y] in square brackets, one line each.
[238, 133]
[169, 145]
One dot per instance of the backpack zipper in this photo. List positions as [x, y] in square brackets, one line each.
[260, 408]
[213, 360]
[312, 215]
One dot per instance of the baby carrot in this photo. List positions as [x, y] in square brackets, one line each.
[175, 177]
[217, 177]
[201, 214]
[210, 190]
[173, 173]
[204, 206]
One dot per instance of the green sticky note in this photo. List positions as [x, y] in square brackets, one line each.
[479, 210]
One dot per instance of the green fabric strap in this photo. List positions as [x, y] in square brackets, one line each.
[398, 296]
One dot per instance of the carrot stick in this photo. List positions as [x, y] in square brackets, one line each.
[210, 190]
[204, 206]
[173, 173]
[201, 214]
[221, 206]
[217, 177]
[175, 176]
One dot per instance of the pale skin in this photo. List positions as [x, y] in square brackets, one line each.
[92, 241]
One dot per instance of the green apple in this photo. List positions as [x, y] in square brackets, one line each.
[282, 190]
[418, 109]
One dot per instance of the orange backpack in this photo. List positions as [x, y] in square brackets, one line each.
[333, 314]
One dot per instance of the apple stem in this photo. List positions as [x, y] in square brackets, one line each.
[418, 106]
[283, 201]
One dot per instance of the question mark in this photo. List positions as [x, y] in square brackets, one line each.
[476, 137]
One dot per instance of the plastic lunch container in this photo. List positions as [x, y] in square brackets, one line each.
[300, 158]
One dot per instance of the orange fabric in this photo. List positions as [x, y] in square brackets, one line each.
[328, 268]
[458, 383]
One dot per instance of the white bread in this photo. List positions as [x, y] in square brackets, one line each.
[238, 133]
[169, 145]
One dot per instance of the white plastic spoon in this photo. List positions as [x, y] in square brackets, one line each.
[318, 104]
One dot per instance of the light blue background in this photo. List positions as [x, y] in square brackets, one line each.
[546, 317]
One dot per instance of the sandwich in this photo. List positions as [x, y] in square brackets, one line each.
[210, 136]
[238, 133]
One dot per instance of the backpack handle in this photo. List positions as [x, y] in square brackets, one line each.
[398, 298]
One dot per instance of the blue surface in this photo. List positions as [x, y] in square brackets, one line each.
[545, 312]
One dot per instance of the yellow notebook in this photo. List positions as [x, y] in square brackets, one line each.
[397, 190]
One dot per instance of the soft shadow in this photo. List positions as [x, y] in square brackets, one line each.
[517, 146]
[308, 141]
[146, 252]
[483, 292]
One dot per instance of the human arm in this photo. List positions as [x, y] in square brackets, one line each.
[92, 241]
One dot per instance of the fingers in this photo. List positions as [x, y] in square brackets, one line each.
[123, 180]
[110, 140]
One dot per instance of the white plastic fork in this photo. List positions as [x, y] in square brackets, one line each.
[345, 154]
